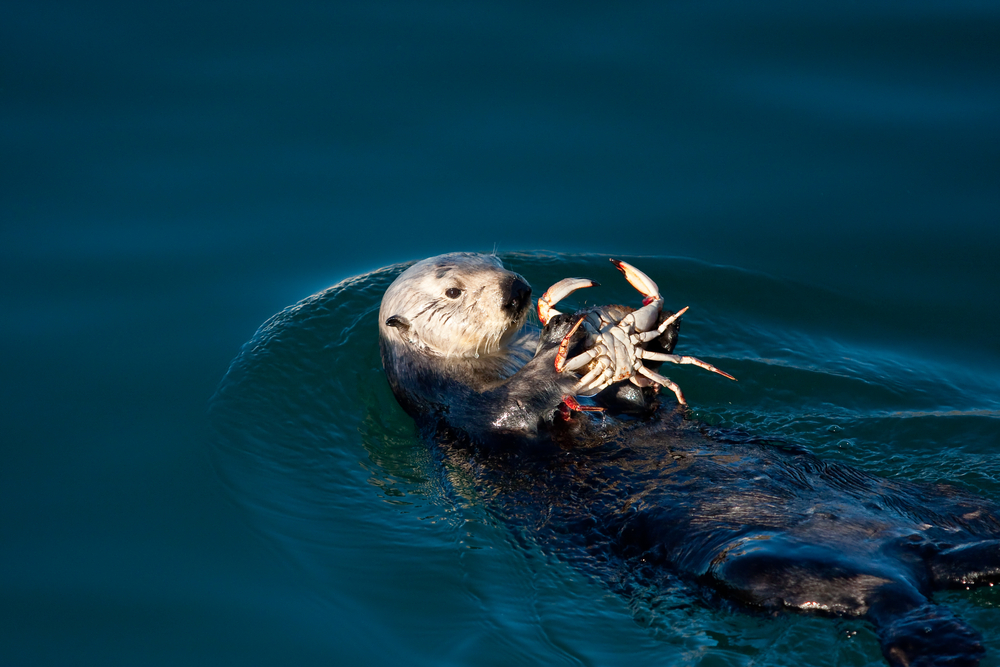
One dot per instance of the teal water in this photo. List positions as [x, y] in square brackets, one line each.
[818, 182]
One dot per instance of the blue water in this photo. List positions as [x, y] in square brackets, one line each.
[820, 183]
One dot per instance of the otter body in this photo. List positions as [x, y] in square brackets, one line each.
[764, 524]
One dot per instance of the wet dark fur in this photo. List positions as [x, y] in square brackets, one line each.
[764, 524]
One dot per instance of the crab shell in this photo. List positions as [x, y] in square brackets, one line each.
[618, 336]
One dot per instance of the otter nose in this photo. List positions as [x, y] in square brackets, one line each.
[518, 295]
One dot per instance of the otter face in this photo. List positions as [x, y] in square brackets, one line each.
[460, 304]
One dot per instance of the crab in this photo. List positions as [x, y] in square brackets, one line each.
[620, 334]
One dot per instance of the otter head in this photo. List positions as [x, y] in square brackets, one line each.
[455, 305]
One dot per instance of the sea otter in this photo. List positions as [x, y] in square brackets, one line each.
[453, 348]
[763, 524]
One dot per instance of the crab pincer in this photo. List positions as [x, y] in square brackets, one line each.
[557, 293]
[638, 280]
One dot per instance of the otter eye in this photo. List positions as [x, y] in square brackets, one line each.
[453, 292]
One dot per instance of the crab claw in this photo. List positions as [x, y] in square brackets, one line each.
[557, 293]
[639, 280]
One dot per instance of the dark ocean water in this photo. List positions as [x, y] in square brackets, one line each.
[820, 183]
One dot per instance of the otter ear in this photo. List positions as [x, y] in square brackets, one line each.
[398, 322]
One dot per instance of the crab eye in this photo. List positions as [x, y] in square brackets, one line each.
[453, 292]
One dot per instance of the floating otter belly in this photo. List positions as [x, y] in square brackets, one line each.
[765, 524]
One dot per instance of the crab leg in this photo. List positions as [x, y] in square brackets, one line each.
[666, 382]
[677, 359]
[587, 380]
[564, 345]
[572, 403]
[646, 336]
[557, 293]
[581, 359]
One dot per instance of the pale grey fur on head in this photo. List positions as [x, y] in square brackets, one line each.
[471, 324]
